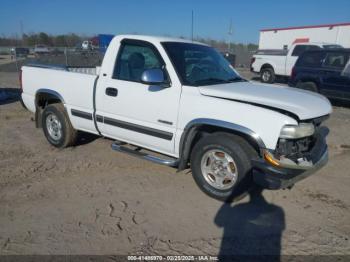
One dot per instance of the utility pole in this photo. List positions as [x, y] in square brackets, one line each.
[192, 26]
[230, 33]
[21, 28]
[21, 31]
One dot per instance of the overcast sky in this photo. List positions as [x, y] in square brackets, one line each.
[156, 17]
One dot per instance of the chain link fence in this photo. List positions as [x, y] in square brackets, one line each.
[12, 59]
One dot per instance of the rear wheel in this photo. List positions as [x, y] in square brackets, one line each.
[221, 166]
[56, 126]
[267, 75]
[310, 86]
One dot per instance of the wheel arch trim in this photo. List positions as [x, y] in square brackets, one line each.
[50, 92]
[267, 65]
[191, 130]
[314, 80]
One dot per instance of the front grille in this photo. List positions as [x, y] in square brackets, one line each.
[294, 149]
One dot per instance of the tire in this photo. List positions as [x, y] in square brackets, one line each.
[267, 75]
[310, 86]
[238, 150]
[57, 128]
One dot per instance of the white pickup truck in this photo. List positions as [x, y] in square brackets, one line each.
[183, 101]
[272, 63]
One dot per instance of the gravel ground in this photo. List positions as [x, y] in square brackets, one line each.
[88, 199]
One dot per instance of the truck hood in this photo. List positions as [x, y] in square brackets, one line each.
[304, 104]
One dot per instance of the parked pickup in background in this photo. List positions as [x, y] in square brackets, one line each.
[41, 50]
[324, 71]
[272, 63]
[185, 102]
[18, 52]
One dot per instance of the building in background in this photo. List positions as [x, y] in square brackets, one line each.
[283, 38]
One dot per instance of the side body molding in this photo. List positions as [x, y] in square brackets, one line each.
[192, 128]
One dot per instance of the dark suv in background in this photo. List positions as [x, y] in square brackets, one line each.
[324, 71]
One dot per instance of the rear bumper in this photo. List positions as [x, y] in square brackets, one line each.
[272, 177]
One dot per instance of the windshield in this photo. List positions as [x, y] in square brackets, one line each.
[199, 65]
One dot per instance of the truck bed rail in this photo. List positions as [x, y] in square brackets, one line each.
[277, 52]
[75, 69]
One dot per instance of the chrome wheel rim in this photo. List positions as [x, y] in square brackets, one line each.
[219, 169]
[266, 76]
[53, 126]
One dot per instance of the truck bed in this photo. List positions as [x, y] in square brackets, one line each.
[75, 85]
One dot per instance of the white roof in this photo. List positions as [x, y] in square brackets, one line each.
[159, 39]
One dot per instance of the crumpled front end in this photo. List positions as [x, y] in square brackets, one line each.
[293, 159]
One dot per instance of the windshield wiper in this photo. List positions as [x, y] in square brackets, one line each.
[212, 80]
[236, 79]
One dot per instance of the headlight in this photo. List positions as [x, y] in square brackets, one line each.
[293, 132]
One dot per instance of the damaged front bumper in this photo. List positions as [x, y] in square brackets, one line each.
[270, 173]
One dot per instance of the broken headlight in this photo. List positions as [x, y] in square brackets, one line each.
[299, 131]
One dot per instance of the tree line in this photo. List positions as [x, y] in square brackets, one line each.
[70, 40]
[67, 40]
[223, 45]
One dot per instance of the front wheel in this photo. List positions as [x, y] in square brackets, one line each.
[267, 75]
[221, 166]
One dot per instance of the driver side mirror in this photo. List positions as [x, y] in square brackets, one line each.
[153, 77]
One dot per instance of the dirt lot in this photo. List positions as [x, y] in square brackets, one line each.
[90, 200]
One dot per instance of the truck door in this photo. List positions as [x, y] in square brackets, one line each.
[335, 83]
[132, 111]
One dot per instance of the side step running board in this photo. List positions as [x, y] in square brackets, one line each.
[116, 146]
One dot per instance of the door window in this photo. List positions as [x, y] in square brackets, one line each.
[311, 59]
[336, 60]
[133, 60]
[346, 71]
[299, 49]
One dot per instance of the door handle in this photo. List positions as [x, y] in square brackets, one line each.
[110, 91]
